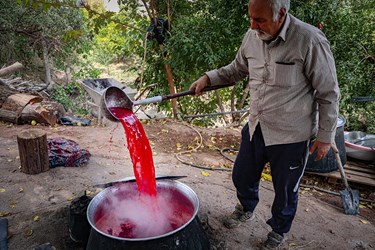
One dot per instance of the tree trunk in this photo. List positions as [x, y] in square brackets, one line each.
[46, 64]
[172, 89]
[33, 151]
[10, 69]
[220, 103]
[237, 117]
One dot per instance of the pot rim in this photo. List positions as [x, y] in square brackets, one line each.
[187, 191]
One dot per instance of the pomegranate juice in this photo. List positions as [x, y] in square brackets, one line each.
[139, 149]
[141, 210]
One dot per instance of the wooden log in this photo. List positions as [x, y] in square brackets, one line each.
[8, 116]
[33, 151]
[18, 102]
[10, 69]
[43, 112]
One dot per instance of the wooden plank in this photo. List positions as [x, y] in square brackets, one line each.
[358, 173]
[351, 178]
[360, 169]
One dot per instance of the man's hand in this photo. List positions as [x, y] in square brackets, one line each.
[321, 149]
[199, 84]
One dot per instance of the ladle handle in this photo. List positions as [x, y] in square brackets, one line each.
[179, 94]
[148, 100]
[192, 92]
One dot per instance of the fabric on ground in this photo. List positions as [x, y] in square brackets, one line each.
[64, 152]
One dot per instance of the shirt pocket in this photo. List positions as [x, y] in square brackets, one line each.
[285, 75]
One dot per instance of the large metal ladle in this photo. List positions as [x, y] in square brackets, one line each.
[114, 97]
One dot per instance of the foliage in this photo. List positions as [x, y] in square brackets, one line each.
[26, 23]
[349, 26]
[204, 35]
[71, 96]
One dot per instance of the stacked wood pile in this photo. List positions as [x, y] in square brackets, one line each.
[21, 101]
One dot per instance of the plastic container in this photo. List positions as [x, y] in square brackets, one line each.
[328, 163]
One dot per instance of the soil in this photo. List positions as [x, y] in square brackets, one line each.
[37, 206]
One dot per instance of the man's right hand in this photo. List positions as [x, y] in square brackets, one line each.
[199, 85]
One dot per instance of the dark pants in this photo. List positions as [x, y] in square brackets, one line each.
[287, 163]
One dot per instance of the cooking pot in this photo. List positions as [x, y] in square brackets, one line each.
[189, 235]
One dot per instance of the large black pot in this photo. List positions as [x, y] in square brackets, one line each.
[328, 163]
[189, 236]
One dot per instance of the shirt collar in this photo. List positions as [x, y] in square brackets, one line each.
[285, 27]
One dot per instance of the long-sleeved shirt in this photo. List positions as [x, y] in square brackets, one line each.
[294, 92]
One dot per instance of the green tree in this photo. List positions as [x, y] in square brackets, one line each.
[349, 26]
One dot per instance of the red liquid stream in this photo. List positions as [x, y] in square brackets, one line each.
[145, 213]
[139, 149]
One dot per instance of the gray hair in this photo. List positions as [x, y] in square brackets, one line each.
[276, 6]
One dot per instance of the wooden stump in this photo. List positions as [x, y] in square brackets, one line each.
[33, 150]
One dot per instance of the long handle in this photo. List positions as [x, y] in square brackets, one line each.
[131, 179]
[192, 92]
[341, 168]
[159, 98]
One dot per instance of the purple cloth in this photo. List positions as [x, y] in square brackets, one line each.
[64, 152]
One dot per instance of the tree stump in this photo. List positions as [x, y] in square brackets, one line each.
[33, 151]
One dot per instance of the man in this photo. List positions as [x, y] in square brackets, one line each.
[294, 97]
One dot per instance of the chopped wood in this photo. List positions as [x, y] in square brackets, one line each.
[10, 69]
[18, 102]
[44, 112]
[9, 116]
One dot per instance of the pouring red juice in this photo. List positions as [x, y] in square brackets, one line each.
[145, 212]
[140, 150]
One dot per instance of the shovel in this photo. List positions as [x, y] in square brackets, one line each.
[115, 97]
[349, 197]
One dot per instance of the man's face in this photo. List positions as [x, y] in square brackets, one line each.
[261, 21]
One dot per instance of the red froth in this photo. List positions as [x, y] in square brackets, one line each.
[127, 215]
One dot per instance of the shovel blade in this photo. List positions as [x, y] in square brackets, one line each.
[350, 201]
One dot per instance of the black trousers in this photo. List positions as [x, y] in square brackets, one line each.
[287, 161]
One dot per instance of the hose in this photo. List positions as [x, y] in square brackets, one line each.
[177, 155]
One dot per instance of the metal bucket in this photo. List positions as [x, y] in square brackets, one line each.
[190, 235]
[328, 163]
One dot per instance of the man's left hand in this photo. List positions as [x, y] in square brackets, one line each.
[321, 149]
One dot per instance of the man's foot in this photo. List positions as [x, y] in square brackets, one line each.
[274, 241]
[238, 216]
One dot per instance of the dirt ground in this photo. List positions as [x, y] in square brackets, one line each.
[37, 206]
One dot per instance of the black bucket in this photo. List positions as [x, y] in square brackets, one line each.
[79, 227]
[188, 236]
[328, 163]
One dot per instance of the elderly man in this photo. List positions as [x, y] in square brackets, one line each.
[294, 97]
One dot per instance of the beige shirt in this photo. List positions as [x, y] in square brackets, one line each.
[290, 79]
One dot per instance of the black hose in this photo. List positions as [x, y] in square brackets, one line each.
[363, 99]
